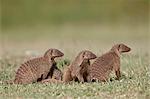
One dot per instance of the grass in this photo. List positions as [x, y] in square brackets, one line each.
[134, 84]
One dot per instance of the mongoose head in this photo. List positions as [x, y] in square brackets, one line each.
[53, 53]
[85, 56]
[120, 48]
[88, 55]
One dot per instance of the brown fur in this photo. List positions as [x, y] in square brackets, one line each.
[78, 70]
[67, 75]
[37, 69]
[102, 66]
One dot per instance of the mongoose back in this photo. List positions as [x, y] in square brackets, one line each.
[102, 66]
[37, 69]
[78, 69]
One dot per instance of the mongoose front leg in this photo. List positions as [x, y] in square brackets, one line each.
[89, 78]
[117, 70]
[80, 77]
[118, 74]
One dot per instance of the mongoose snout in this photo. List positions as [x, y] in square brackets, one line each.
[121, 48]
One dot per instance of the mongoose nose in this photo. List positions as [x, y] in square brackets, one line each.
[59, 54]
[129, 49]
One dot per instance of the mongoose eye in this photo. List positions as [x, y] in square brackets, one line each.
[119, 48]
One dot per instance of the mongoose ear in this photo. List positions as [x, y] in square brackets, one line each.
[116, 49]
[81, 58]
[48, 53]
[51, 52]
[119, 47]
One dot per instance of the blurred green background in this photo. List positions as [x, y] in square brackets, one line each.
[73, 25]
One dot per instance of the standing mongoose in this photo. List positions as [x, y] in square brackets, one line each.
[102, 66]
[78, 69]
[37, 69]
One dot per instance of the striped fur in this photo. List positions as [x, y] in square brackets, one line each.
[102, 66]
[37, 69]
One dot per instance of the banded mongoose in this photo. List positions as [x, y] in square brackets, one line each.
[37, 69]
[102, 66]
[78, 69]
